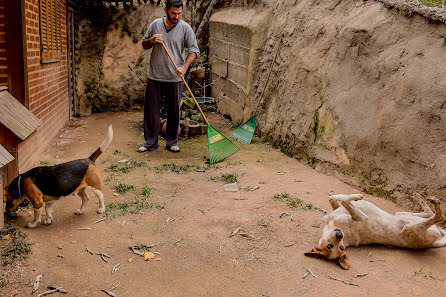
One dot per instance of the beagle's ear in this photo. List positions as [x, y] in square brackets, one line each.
[315, 252]
[344, 262]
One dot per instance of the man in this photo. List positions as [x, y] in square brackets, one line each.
[163, 80]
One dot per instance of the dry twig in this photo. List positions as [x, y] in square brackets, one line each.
[115, 286]
[344, 281]
[115, 268]
[109, 293]
[37, 283]
[52, 290]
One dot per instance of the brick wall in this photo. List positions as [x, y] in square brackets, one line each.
[3, 45]
[47, 87]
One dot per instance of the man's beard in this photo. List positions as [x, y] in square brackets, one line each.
[172, 21]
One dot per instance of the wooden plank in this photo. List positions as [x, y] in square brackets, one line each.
[16, 117]
[2, 174]
[5, 156]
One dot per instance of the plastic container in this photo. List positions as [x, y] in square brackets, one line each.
[231, 187]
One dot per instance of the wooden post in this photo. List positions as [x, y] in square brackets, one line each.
[2, 178]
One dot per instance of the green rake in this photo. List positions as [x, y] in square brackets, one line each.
[245, 132]
[219, 146]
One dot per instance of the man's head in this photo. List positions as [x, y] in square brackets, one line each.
[173, 10]
[331, 247]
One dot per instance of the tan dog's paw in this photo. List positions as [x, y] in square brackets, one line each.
[433, 200]
[79, 212]
[347, 198]
[101, 210]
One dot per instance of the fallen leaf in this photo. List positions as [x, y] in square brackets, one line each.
[30, 212]
[148, 256]
[158, 259]
[59, 246]
[115, 194]
[6, 237]
[130, 260]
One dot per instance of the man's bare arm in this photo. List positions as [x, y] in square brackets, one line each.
[190, 58]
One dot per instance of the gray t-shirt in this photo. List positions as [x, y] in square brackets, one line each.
[176, 40]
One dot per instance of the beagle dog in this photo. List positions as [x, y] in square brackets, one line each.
[355, 222]
[43, 185]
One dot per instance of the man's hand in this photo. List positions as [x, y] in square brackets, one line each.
[156, 38]
[181, 70]
[148, 43]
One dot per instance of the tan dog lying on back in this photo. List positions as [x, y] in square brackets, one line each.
[356, 222]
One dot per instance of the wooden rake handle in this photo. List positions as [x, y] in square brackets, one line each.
[269, 73]
[184, 82]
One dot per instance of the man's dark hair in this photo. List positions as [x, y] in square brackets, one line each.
[176, 3]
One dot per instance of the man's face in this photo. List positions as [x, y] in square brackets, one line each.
[173, 14]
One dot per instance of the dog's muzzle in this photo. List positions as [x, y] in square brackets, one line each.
[339, 233]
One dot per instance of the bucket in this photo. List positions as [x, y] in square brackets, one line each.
[194, 128]
[184, 128]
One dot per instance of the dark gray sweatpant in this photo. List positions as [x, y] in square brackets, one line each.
[155, 90]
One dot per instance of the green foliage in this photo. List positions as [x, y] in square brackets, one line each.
[295, 202]
[17, 248]
[3, 282]
[45, 163]
[434, 3]
[133, 207]
[123, 188]
[178, 168]
[230, 178]
[146, 191]
[126, 167]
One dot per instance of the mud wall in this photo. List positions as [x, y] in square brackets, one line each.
[110, 41]
[357, 90]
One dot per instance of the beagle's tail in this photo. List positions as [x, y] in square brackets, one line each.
[104, 145]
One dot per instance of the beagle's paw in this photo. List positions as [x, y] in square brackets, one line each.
[32, 225]
[101, 210]
[48, 221]
[79, 212]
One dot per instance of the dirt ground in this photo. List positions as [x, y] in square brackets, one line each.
[190, 222]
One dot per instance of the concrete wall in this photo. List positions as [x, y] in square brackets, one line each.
[230, 41]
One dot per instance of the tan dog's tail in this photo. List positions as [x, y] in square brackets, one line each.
[104, 145]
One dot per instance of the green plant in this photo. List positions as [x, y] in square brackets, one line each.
[123, 188]
[3, 282]
[177, 168]
[434, 3]
[229, 178]
[134, 206]
[116, 152]
[443, 36]
[45, 163]
[235, 124]
[126, 167]
[295, 202]
[18, 246]
[146, 191]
